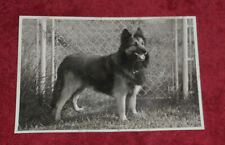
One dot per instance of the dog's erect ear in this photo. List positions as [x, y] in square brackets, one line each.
[125, 35]
[138, 33]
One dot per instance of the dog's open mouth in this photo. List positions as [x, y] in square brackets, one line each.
[141, 57]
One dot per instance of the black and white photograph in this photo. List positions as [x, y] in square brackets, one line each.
[108, 74]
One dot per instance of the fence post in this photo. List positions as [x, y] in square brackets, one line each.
[43, 56]
[190, 57]
[53, 55]
[176, 57]
[185, 59]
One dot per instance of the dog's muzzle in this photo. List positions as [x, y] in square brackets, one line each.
[141, 56]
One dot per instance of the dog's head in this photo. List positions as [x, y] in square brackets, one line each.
[133, 46]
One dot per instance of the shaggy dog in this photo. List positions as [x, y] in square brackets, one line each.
[120, 75]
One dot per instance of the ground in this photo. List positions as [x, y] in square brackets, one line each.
[100, 113]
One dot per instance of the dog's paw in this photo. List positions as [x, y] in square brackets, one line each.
[79, 109]
[57, 119]
[123, 118]
[140, 115]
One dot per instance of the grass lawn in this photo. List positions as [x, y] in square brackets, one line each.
[100, 113]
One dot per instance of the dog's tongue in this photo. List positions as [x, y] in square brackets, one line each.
[140, 56]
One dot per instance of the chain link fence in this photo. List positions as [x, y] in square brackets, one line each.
[102, 37]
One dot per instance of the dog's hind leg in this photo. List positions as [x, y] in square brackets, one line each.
[70, 84]
[76, 97]
[65, 95]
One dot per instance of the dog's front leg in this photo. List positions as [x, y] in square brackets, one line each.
[120, 93]
[121, 105]
[133, 98]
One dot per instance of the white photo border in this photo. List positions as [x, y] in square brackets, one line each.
[16, 131]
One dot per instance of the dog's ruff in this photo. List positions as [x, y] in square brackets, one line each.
[120, 75]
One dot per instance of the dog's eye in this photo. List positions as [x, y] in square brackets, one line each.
[134, 44]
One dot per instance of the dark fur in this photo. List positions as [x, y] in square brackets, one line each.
[99, 71]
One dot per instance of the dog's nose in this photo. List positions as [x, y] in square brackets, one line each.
[144, 51]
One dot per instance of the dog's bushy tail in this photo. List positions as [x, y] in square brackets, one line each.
[57, 88]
